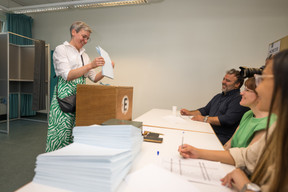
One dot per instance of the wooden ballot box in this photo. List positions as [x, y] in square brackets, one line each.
[98, 103]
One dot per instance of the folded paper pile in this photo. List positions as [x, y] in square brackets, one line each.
[98, 160]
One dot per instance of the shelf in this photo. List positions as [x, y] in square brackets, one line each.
[21, 80]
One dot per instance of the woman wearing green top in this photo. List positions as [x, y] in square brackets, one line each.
[253, 123]
[250, 130]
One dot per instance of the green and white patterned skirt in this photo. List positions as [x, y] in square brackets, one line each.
[61, 124]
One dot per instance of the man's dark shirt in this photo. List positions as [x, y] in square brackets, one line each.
[229, 112]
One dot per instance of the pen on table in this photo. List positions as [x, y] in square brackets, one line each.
[182, 139]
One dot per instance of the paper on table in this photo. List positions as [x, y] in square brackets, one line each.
[112, 136]
[107, 69]
[79, 149]
[154, 178]
[174, 119]
[203, 171]
[81, 167]
[98, 160]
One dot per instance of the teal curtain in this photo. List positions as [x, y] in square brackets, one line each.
[53, 79]
[22, 25]
[26, 105]
[13, 103]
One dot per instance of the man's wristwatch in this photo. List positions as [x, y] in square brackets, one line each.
[205, 118]
[251, 187]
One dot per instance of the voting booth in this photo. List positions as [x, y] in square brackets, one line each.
[96, 104]
[278, 45]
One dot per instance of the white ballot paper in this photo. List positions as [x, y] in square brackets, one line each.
[107, 69]
[153, 178]
[203, 171]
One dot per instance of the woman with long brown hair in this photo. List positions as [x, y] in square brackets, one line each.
[271, 171]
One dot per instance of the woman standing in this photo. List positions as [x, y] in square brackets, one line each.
[72, 66]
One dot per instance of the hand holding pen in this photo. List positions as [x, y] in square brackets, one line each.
[187, 151]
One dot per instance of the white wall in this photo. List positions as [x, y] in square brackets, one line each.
[174, 52]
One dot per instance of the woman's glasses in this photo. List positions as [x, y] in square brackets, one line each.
[248, 90]
[85, 37]
[259, 78]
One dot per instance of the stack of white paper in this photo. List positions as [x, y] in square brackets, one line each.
[119, 136]
[98, 165]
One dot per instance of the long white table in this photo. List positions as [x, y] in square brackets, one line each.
[165, 119]
[156, 121]
[172, 139]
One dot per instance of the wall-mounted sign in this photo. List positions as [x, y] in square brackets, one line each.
[274, 47]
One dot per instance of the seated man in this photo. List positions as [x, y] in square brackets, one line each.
[223, 112]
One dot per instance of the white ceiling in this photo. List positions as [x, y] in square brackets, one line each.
[37, 6]
[20, 3]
